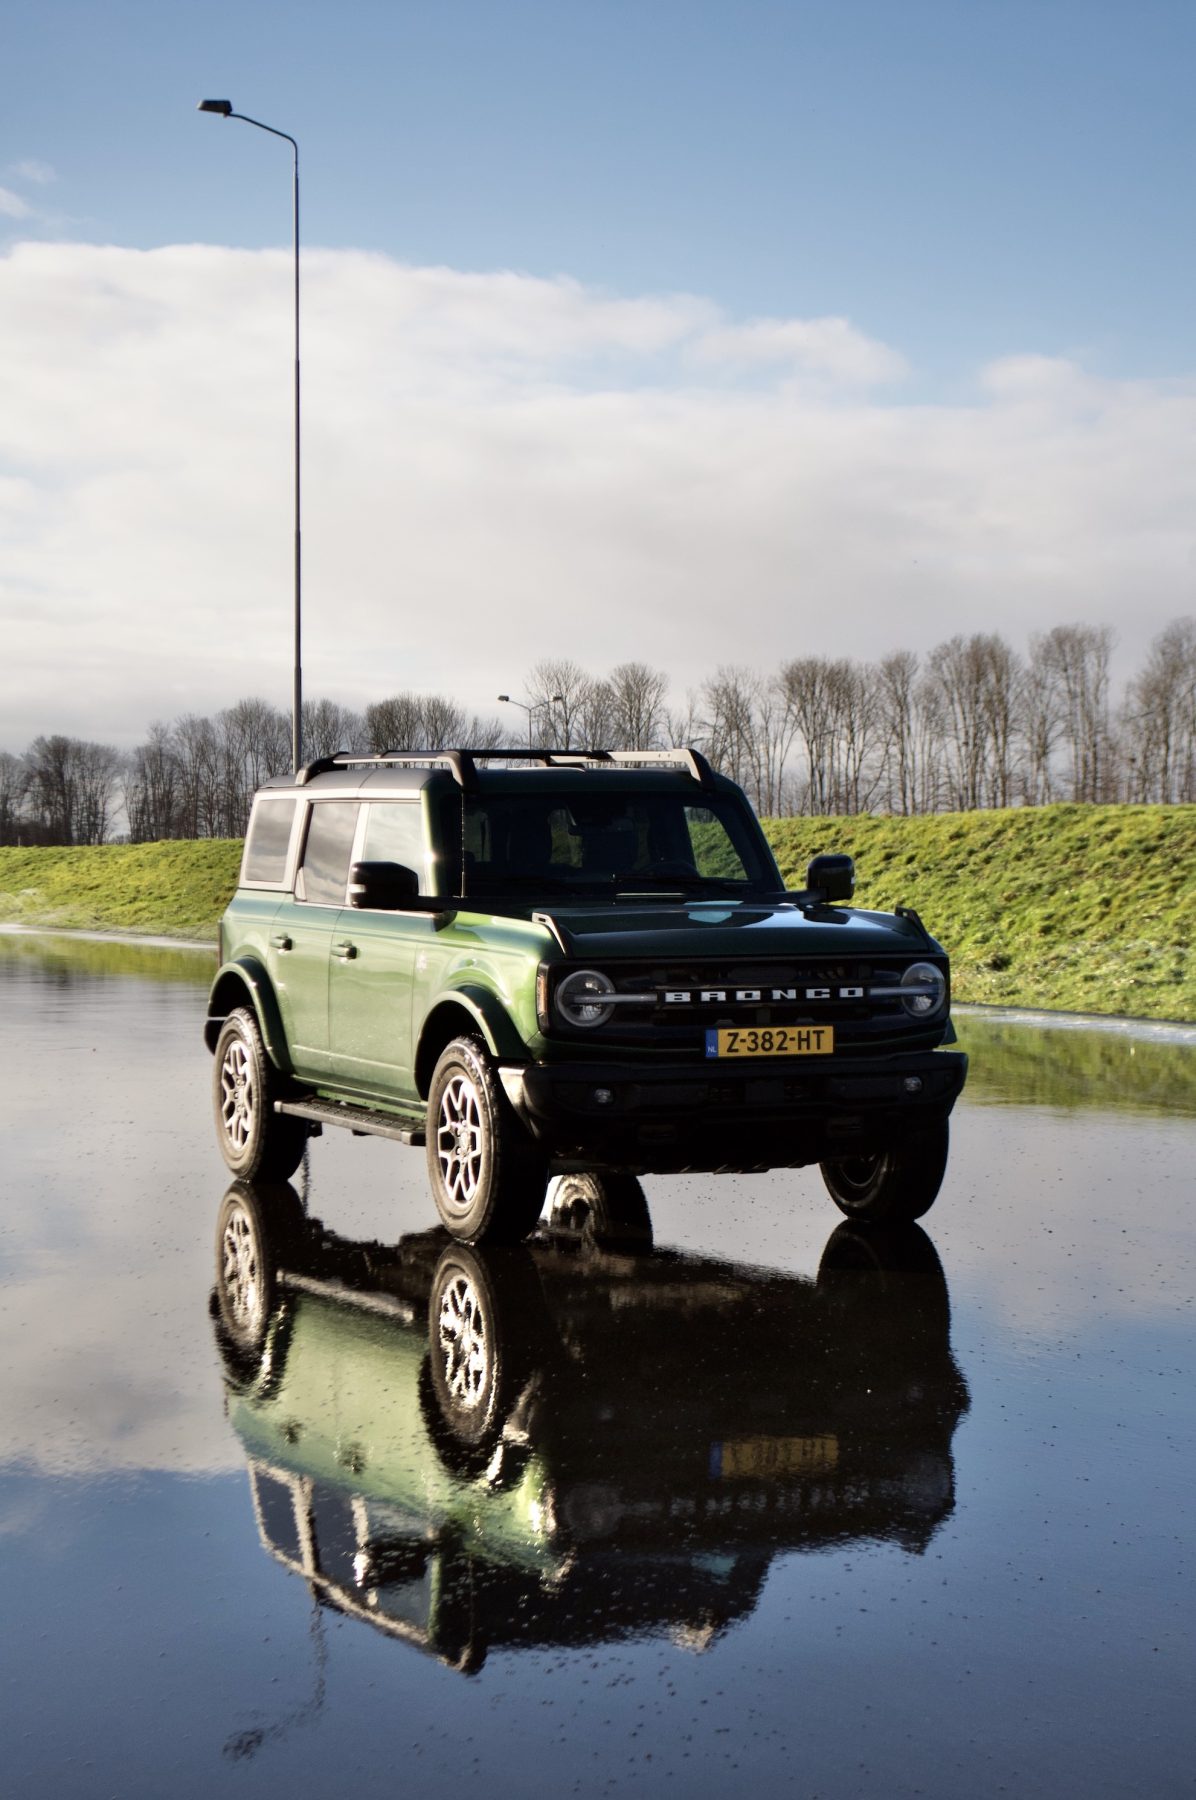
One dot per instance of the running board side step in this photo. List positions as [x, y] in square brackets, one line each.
[361, 1120]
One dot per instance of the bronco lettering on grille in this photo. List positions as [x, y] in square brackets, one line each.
[754, 996]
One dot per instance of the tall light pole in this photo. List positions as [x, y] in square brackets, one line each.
[506, 700]
[224, 108]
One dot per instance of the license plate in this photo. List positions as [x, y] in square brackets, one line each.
[771, 1040]
[765, 1458]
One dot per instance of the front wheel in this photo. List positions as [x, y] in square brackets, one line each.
[487, 1176]
[895, 1185]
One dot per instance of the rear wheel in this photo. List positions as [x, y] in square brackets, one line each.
[253, 1138]
[897, 1184]
[487, 1176]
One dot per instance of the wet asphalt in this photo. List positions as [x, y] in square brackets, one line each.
[764, 1498]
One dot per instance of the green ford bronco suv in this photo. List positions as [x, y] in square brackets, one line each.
[540, 963]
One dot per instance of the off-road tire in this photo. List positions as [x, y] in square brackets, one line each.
[254, 1140]
[487, 1175]
[894, 1185]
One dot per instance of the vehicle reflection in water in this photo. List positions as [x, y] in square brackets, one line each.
[570, 1442]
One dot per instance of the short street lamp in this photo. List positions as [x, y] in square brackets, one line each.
[224, 109]
[553, 700]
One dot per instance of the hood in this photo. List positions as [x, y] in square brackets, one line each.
[733, 928]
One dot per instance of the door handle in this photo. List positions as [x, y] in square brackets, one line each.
[281, 941]
[344, 952]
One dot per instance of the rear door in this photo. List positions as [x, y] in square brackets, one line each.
[370, 1029]
[302, 937]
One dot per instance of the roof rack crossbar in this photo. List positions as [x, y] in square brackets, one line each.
[463, 762]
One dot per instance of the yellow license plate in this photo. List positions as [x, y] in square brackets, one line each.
[769, 1458]
[771, 1040]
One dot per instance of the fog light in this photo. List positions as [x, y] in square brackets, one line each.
[912, 1084]
[603, 1096]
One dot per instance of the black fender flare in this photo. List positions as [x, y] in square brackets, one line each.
[489, 1017]
[246, 981]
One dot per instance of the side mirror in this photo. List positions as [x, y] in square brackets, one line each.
[831, 877]
[382, 886]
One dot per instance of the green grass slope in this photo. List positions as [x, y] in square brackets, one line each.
[174, 889]
[1072, 908]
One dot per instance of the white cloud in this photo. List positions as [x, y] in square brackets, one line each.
[12, 206]
[829, 347]
[500, 467]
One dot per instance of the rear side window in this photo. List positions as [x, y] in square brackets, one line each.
[394, 832]
[265, 863]
[324, 877]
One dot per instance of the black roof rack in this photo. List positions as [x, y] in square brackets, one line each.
[463, 763]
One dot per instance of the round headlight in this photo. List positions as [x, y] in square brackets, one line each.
[923, 990]
[579, 997]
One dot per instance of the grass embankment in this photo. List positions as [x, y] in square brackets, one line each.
[173, 890]
[1072, 908]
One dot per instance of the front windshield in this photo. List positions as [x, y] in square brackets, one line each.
[611, 844]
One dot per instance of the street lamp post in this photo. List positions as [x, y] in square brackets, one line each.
[224, 109]
[506, 700]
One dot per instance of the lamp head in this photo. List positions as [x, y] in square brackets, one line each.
[504, 697]
[223, 107]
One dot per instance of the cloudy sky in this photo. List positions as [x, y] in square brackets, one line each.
[702, 335]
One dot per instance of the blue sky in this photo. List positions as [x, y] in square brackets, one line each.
[966, 179]
[895, 297]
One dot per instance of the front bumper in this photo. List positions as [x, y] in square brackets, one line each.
[695, 1116]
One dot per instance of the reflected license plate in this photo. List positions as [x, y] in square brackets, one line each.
[771, 1040]
[765, 1458]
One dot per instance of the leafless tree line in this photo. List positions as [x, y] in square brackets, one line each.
[971, 724]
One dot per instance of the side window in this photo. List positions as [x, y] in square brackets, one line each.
[265, 863]
[324, 876]
[394, 832]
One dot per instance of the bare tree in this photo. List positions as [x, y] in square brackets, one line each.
[896, 684]
[808, 685]
[1001, 678]
[153, 788]
[1159, 718]
[254, 741]
[395, 724]
[858, 736]
[415, 723]
[71, 787]
[329, 727]
[1075, 658]
[956, 672]
[1042, 723]
[13, 791]
[637, 706]
[559, 691]
[728, 703]
[199, 775]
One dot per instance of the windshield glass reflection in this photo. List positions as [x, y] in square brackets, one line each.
[582, 1439]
